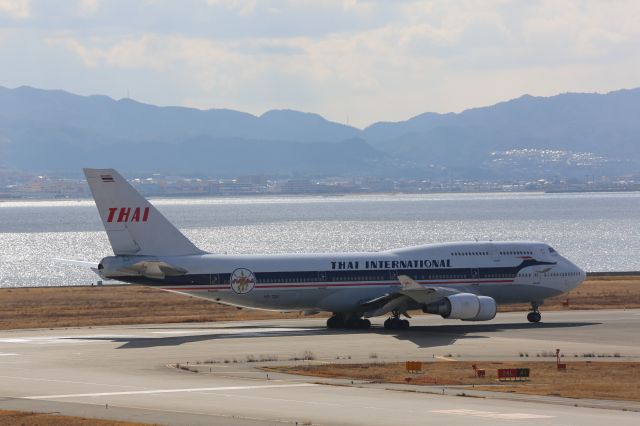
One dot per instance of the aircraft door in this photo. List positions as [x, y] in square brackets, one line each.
[475, 276]
[214, 279]
[536, 277]
[541, 255]
[493, 252]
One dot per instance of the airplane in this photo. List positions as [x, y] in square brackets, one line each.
[458, 280]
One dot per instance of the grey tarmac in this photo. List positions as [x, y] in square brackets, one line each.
[124, 372]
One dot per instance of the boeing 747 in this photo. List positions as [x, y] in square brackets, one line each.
[460, 280]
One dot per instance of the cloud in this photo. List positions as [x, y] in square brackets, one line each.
[15, 9]
[583, 29]
[369, 60]
[242, 7]
[88, 7]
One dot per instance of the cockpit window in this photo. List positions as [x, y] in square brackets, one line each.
[551, 250]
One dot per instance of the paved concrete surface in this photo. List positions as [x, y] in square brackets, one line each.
[122, 372]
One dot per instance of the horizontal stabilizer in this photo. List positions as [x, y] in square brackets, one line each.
[156, 269]
[83, 263]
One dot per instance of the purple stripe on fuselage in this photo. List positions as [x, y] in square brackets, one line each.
[342, 285]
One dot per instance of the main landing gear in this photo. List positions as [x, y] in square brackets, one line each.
[535, 315]
[352, 322]
[395, 323]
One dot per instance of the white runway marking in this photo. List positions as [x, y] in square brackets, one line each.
[248, 331]
[39, 379]
[71, 339]
[5, 354]
[444, 358]
[493, 414]
[157, 391]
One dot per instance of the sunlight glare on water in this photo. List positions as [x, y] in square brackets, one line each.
[597, 231]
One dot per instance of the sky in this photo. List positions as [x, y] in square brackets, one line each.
[353, 62]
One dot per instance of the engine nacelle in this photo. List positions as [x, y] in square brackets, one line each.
[464, 306]
[487, 311]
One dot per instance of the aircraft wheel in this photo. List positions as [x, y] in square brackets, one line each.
[387, 324]
[534, 317]
[365, 324]
[334, 322]
[331, 322]
[353, 323]
[396, 324]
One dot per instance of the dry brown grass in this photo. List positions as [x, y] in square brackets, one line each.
[609, 292]
[113, 305]
[583, 379]
[25, 418]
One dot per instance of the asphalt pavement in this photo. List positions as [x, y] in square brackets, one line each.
[128, 372]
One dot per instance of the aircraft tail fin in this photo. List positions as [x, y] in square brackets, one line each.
[134, 226]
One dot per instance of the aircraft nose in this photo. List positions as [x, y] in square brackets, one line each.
[581, 275]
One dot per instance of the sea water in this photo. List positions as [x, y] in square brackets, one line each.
[598, 231]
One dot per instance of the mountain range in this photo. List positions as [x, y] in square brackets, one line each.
[570, 134]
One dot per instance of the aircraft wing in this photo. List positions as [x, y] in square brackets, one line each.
[411, 293]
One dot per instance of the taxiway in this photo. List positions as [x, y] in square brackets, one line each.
[123, 372]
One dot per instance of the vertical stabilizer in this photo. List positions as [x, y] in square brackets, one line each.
[134, 226]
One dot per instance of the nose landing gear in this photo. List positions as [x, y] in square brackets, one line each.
[535, 315]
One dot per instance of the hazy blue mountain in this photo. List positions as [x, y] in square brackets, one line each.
[206, 156]
[49, 130]
[132, 120]
[606, 125]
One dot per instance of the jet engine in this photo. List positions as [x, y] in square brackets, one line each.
[464, 306]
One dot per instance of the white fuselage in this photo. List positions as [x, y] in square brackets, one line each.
[509, 272]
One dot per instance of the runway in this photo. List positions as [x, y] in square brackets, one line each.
[123, 372]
